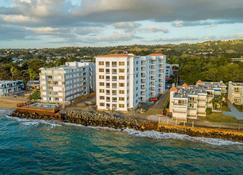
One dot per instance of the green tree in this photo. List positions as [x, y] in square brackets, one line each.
[35, 95]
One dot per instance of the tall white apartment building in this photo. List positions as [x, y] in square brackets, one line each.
[125, 80]
[235, 93]
[153, 70]
[65, 83]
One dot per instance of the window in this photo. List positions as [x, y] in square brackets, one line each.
[181, 102]
[121, 84]
[236, 90]
[236, 100]
[108, 92]
[121, 77]
[114, 71]
[114, 99]
[121, 92]
[107, 77]
[108, 85]
[102, 104]
[121, 63]
[102, 91]
[114, 85]
[121, 70]
[121, 99]
[102, 97]
[101, 63]
[102, 84]
[101, 70]
[102, 77]
[113, 92]
[107, 71]
[107, 64]
[114, 64]
[114, 78]
[121, 105]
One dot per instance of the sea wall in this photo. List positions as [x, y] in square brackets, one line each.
[103, 119]
[203, 132]
[92, 118]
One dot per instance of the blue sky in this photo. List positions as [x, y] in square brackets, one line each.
[58, 23]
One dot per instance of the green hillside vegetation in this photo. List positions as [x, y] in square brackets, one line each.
[208, 61]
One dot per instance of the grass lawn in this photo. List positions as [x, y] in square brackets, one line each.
[240, 108]
[153, 112]
[220, 117]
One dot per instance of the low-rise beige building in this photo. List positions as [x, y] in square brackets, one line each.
[188, 102]
[191, 102]
[235, 93]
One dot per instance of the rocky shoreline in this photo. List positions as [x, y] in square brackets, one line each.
[103, 119]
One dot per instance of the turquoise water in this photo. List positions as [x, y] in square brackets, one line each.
[40, 147]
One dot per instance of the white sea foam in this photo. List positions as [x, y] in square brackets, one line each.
[159, 135]
[5, 111]
[92, 127]
[32, 122]
[132, 132]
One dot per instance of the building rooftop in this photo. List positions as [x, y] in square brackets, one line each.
[236, 83]
[115, 55]
[212, 85]
[191, 90]
[156, 54]
[9, 81]
[68, 66]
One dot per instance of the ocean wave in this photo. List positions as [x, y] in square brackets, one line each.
[132, 132]
[92, 127]
[5, 111]
[32, 122]
[159, 135]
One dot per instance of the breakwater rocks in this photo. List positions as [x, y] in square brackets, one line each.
[203, 132]
[104, 119]
[93, 118]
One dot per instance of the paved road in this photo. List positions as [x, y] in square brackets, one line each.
[234, 112]
[162, 99]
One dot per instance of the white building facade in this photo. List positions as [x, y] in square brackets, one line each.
[171, 70]
[65, 83]
[125, 80]
[14, 87]
[188, 103]
[235, 93]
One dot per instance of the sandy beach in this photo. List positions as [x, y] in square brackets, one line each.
[11, 102]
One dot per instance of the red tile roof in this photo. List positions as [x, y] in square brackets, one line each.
[173, 89]
[185, 85]
[114, 55]
[156, 54]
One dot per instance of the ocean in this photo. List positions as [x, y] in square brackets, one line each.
[49, 147]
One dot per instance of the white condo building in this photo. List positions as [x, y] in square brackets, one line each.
[235, 93]
[125, 80]
[65, 83]
[9, 87]
[191, 102]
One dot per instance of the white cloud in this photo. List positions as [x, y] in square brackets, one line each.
[178, 23]
[17, 18]
[156, 29]
[43, 30]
